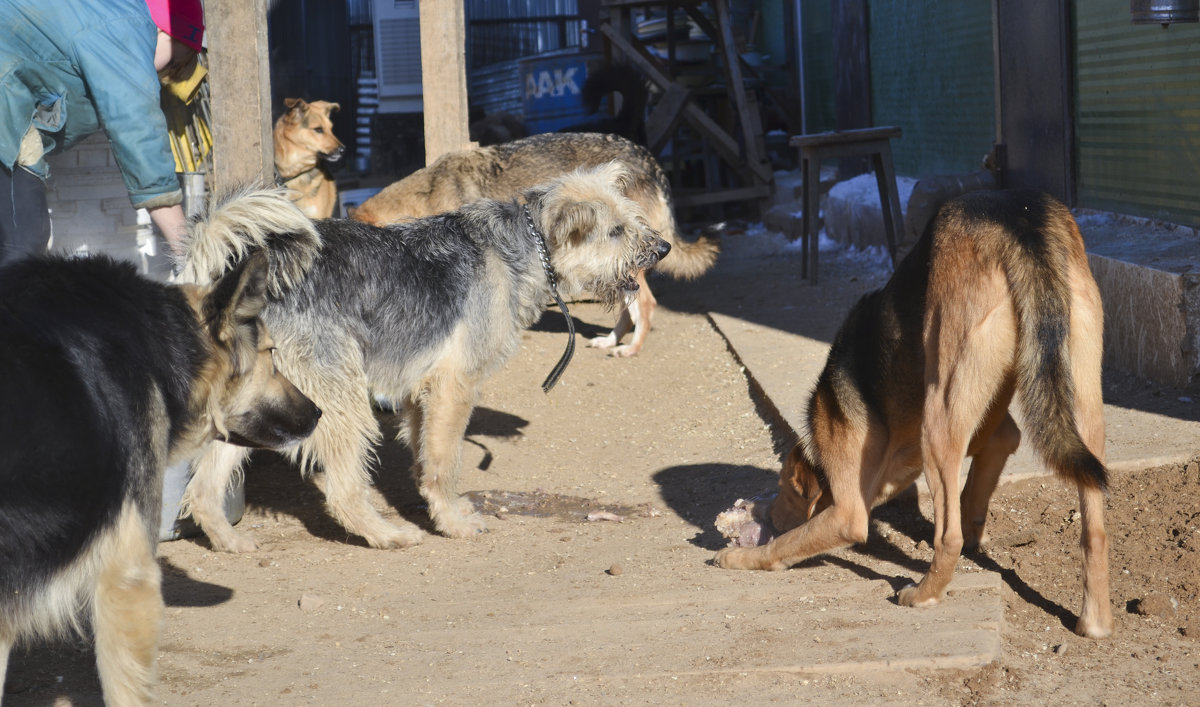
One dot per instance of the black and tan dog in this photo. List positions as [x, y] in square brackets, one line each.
[304, 147]
[107, 378]
[422, 313]
[996, 299]
[505, 171]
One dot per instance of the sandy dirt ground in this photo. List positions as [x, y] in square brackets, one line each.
[594, 583]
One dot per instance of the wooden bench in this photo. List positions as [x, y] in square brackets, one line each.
[873, 142]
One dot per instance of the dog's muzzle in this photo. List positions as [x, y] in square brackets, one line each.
[335, 155]
[651, 256]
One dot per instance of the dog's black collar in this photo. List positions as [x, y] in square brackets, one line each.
[544, 254]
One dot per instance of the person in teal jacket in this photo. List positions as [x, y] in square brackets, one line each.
[69, 68]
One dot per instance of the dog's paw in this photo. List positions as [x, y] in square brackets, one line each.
[741, 558]
[1095, 623]
[397, 538]
[233, 541]
[460, 520]
[912, 596]
[603, 342]
[624, 351]
[975, 535]
[463, 527]
[1087, 630]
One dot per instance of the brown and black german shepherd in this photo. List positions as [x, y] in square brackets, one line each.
[107, 378]
[304, 147]
[996, 299]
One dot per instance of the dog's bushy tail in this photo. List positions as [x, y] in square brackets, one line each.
[249, 220]
[1037, 260]
[687, 260]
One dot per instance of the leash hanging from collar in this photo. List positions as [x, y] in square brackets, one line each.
[544, 254]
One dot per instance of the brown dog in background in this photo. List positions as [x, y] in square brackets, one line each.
[304, 144]
[996, 299]
[503, 172]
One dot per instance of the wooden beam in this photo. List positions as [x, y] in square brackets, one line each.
[444, 77]
[239, 78]
[721, 141]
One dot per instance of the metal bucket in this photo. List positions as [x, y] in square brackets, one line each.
[175, 481]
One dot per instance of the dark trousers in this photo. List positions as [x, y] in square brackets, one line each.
[24, 220]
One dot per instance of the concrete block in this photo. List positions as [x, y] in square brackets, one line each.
[786, 187]
[1146, 320]
[94, 157]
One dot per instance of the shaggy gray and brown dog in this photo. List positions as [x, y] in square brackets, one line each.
[505, 171]
[421, 312]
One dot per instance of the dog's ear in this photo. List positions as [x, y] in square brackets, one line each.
[800, 492]
[617, 174]
[296, 107]
[235, 301]
[571, 221]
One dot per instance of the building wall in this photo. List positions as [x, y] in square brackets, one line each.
[90, 210]
[1137, 114]
[932, 75]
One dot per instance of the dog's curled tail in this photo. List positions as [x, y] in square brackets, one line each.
[248, 220]
[1037, 257]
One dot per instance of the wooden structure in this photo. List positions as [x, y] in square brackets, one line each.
[871, 142]
[742, 150]
[240, 80]
[444, 77]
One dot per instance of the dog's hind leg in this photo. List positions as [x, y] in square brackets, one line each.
[637, 316]
[620, 328]
[970, 341]
[641, 310]
[204, 499]
[994, 443]
[126, 613]
[1095, 618]
[438, 420]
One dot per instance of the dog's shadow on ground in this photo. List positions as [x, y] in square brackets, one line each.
[273, 484]
[552, 321]
[698, 492]
[179, 589]
[53, 673]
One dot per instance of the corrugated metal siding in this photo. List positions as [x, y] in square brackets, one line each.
[817, 50]
[932, 75]
[1137, 112]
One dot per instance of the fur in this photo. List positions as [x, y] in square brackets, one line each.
[304, 147]
[505, 171]
[110, 377]
[421, 312]
[995, 300]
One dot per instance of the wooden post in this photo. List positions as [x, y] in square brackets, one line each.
[444, 77]
[240, 82]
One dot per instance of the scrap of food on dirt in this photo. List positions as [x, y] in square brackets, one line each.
[745, 524]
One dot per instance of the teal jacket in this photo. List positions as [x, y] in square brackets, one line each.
[72, 67]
